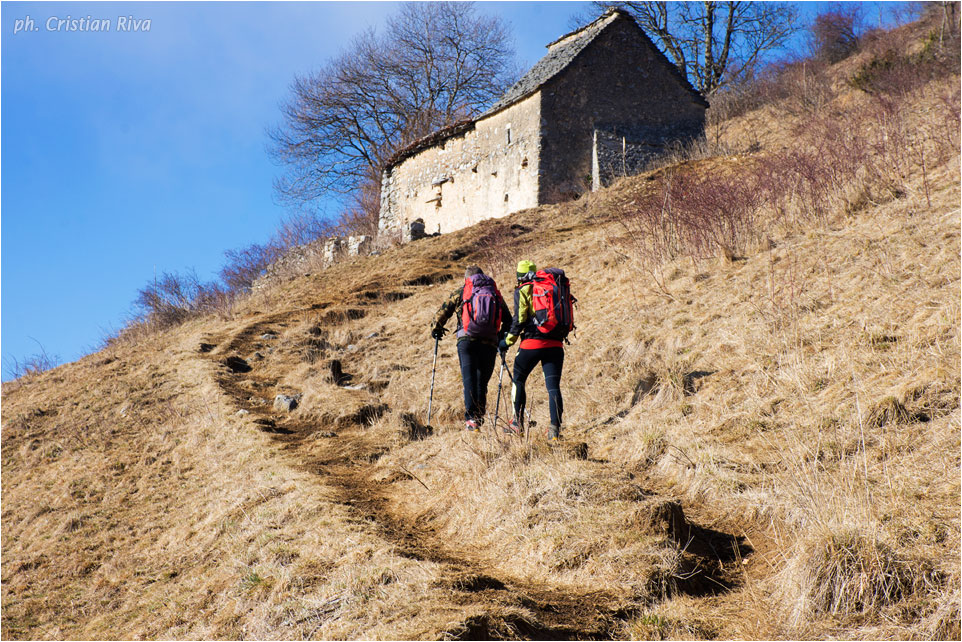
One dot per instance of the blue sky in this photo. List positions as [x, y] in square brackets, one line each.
[130, 153]
[126, 153]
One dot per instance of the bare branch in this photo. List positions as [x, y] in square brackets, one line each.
[714, 43]
[435, 64]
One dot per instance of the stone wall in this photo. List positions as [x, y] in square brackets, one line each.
[488, 171]
[338, 247]
[302, 259]
[621, 88]
[620, 150]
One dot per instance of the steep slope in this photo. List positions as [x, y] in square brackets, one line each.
[764, 446]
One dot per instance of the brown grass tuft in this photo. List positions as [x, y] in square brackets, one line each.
[846, 572]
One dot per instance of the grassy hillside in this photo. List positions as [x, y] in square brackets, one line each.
[760, 442]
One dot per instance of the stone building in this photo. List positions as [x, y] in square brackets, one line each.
[600, 104]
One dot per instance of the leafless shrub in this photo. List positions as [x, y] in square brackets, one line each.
[802, 87]
[690, 215]
[796, 183]
[765, 86]
[892, 71]
[245, 265]
[840, 161]
[887, 73]
[798, 86]
[31, 365]
[135, 329]
[301, 228]
[173, 299]
[496, 250]
[362, 213]
[949, 106]
[716, 212]
[806, 87]
[834, 33]
[303, 231]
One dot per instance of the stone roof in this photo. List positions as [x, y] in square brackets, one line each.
[560, 54]
[557, 58]
[430, 140]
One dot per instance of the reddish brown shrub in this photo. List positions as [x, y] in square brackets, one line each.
[833, 33]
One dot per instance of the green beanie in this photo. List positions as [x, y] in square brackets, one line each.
[526, 266]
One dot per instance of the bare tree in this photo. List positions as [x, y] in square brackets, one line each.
[714, 43]
[834, 34]
[436, 63]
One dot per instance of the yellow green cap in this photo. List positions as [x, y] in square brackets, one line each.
[526, 266]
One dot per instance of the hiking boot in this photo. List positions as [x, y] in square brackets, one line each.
[472, 426]
[553, 434]
[513, 428]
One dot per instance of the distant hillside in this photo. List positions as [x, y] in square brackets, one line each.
[762, 424]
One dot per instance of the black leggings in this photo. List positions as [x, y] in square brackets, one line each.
[477, 364]
[552, 360]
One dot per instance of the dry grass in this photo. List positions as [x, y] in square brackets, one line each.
[798, 404]
[153, 511]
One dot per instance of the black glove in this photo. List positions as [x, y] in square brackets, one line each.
[438, 332]
[502, 347]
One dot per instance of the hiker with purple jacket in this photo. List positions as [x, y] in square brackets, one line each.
[483, 318]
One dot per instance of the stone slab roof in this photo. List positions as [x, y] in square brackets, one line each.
[430, 140]
[560, 54]
[557, 58]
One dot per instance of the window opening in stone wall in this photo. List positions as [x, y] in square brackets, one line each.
[509, 134]
[505, 198]
[524, 162]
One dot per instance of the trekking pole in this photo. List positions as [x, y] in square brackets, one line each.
[497, 405]
[434, 369]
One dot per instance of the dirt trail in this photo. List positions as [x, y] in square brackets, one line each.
[512, 608]
[517, 610]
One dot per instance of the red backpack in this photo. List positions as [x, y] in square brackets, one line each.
[481, 310]
[552, 302]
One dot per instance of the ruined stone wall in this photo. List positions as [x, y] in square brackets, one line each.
[486, 172]
[318, 254]
[627, 150]
[621, 88]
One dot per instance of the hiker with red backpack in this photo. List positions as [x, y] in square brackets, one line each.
[483, 317]
[543, 317]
